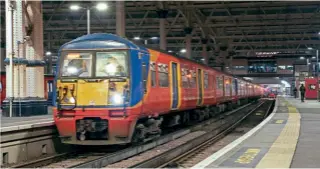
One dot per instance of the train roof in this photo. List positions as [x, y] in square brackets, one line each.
[82, 43]
[101, 39]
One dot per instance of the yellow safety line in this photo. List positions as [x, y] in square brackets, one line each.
[282, 150]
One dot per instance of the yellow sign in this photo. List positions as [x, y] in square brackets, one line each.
[248, 156]
[279, 121]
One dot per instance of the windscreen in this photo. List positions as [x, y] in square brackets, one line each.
[77, 65]
[107, 64]
[113, 63]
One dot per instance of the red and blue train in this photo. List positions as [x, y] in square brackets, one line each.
[110, 90]
[48, 87]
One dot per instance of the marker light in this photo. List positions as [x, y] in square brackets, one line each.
[72, 100]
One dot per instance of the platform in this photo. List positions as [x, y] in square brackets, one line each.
[288, 138]
[18, 121]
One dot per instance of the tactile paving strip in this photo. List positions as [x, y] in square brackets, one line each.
[282, 150]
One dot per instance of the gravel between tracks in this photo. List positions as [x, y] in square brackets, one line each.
[73, 161]
[155, 151]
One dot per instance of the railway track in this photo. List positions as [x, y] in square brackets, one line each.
[102, 159]
[180, 155]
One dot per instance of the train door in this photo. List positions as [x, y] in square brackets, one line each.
[175, 90]
[200, 89]
[50, 91]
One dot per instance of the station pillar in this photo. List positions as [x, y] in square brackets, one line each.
[204, 42]
[24, 64]
[120, 18]
[188, 31]
[162, 14]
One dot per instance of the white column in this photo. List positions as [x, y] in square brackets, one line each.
[9, 49]
[34, 51]
[120, 18]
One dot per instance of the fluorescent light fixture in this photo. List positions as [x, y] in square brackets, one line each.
[310, 48]
[154, 38]
[313, 57]
[170, 51]
[101, 6]
[319, 33]
[136, 38]
[301, 57]
[183, 50]
[202, 59]
[74, 7]
[48, 53]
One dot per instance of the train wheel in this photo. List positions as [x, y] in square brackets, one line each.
[138, 135]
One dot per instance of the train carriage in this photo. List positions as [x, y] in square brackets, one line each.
[48, 87]
[112, 91]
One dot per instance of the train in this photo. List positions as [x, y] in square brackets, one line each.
[48, 87]
[112, 91]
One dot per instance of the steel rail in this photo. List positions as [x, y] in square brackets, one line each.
[193, 145]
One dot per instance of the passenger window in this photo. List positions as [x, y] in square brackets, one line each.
[185, 77]
[153, 74]
[193, 83]
[206, 80]
[163, 75]
[219, 82]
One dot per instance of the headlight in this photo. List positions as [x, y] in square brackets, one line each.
[72, 100]
[117, 98]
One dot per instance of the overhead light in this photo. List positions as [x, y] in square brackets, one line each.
[48, 53]
[301, 57]
[74, 7]
[309, 63]
[136, 38]
[310, 48]
[101, 6]
[183, 50]
[154, 38]
[313, 57]
[202, 59]
[170, 51]
[319, 33]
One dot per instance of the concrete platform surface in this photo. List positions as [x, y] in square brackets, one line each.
[16, 121]
[288, 138]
